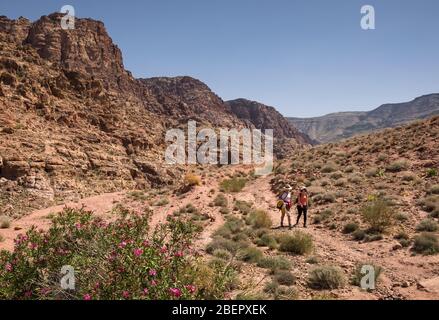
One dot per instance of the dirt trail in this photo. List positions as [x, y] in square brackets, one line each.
[404, 277]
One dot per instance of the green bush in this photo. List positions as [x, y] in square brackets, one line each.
[274, 263]
[378, 215]
[267, 240]
[121, 259]
[431, 172]
[233, 185]
[434, 189]
[350, 227]
[221, 243]
[220, 201]
[359, 235]
[243, 207]
[397, 166]
[222, 254]
[326, 278]
[427, 225]
[299, 243]
[259, 219]
[5, 222]
[426, 243]
[284, 277]
[250, 254]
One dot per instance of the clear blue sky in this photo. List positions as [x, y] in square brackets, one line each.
[305, 57]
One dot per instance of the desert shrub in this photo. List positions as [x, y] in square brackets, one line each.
[324, 183]
[401, 235]
[312, 260]
[358, 275]
[243, 207]
[430, 203]
[274, 263]
[427, 225]
[191, 180]
[405, 243]
[350, 227]
[221, 243]
[224, 210]
[138, 196]
[250, 254]
[434, 214]
[298, 243]
[271, 287]
[222, 254]
[284, 277]
[234, 184]
[326, 278]
[402, 217]
[259, 219]
[397, 166]
[359, 235]
[431, 172]
[378, 215]
[349, 169]
[426, 243]
[408, 177]
[322, 216]
[251, 296]
[336, 175]
[5, 222]
[267, 240]
[122, 259]
[162, 202]
[220, 200]
[434, 189]
[373, 237]
[340, 183]
[355, 179]
[324, 198]
[329, 167]
[373, 172]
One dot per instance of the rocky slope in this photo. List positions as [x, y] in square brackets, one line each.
[336, 126]
[74, 122]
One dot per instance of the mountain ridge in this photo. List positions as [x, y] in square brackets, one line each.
[341, 125]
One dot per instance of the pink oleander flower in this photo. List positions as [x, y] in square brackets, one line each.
[145, 291]
[33, 246]
[9, 267]
[163, 249]
[146, 243]
[123, 244]
[191, 288]
[138, 252]
[87, 297]
[152, 272]
[28, 294]
[175, 292]
[153, 283]
[179, 254]
[78, 226]
[126, 294]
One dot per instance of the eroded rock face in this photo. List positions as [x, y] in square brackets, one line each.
[14, 30]
[265, 117]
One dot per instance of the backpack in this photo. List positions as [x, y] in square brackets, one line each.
[280, 204]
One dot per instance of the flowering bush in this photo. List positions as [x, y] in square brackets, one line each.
[122, 259]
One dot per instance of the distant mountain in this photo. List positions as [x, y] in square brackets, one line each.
[265, 117]
[337, 126]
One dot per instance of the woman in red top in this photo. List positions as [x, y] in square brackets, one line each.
[302, 205]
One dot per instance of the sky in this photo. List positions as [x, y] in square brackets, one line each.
[304, 57]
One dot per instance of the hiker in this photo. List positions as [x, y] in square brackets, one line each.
[302, 205]
[284, 205]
